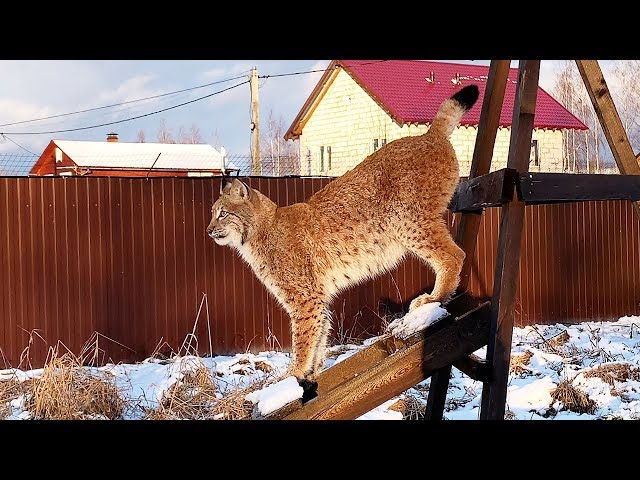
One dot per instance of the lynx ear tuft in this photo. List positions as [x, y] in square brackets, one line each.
[237, 189]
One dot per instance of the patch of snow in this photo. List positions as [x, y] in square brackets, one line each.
[275, 396]
[531, 396]
[382, 412]
[417, 320]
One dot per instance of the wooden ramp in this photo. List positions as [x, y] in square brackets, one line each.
[390, 366]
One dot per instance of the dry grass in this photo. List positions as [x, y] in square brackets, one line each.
[509, 415]
[559, 340]
[68, 391]
[519, 362]
[11, 389]
[196, 397]
[233, 406]
[410, 407]
[572, 399]
[614, 372]
[192, 397]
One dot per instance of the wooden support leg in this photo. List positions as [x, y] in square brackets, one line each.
[437, 394]
[505, 284]
[470, 222]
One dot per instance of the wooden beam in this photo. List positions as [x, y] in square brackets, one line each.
[609, 119]
[505, 283]
[437, 394]
[470, 222]
[489, 190]
[400, 371]
[482, 155]
[474, 367]
[541, 188]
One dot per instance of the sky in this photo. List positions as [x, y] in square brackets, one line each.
[598, 359]
[32, 89]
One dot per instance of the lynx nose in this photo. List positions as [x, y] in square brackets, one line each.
[209, 231]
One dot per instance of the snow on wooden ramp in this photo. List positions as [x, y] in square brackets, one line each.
[391, 365]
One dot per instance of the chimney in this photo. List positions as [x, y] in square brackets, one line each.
[112, 137]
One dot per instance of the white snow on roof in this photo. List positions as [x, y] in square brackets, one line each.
[142, 155]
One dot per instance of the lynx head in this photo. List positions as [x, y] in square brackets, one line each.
[233, 215]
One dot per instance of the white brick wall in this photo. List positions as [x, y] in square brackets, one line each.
[348, 119]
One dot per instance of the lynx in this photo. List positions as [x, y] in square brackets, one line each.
[357, 227]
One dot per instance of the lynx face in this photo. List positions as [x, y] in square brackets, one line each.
[232, 215]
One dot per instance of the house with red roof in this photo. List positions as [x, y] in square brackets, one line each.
[360, 105]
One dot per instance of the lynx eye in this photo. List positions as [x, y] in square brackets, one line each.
[222, 214]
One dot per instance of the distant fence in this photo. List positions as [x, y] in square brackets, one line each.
[128, 258]
[16, 164]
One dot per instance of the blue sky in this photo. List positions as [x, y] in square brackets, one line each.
[32, 89]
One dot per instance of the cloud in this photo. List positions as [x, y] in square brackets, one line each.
[131, 89]
[15, 110]
[312, 78]
[219, 73]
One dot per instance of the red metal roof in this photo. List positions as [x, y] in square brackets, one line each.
[399, 86]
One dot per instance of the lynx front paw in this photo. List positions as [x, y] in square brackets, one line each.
[306, 381]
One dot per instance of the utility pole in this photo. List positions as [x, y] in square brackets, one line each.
[256, 168]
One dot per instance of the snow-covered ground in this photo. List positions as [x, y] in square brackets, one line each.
[543, 357]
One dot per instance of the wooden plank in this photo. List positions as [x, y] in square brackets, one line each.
[400, 371]
[541, 188]
[609, 119]
[474, 367]
[467, 233]
[505, 284]
[482, 155]
[489, 190]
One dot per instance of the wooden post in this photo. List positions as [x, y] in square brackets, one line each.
[470, 222]
[256, 167]
[482, 154]
[609, 119]
[494, 393]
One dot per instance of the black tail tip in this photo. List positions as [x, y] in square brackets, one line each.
[467, 96]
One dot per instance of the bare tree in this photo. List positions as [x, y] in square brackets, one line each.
[625, 89]
[140, 136]
[190, 136]
[279, 157]
[164, 133]
[583, 151]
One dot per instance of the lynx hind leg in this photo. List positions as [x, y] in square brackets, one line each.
[434, 245]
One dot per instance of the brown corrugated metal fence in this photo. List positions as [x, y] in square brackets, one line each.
[128, 258]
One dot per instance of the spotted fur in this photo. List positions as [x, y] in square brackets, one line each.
[357, 227]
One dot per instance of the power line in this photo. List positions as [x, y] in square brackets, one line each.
[314, 71]
[128, 119]
[123, 103]
[18, 145]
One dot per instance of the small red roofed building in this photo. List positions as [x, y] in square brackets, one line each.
[122, 159]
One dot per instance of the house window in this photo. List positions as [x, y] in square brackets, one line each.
[321, 166]
[378, 143]
[329, 158]
[535, 153]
